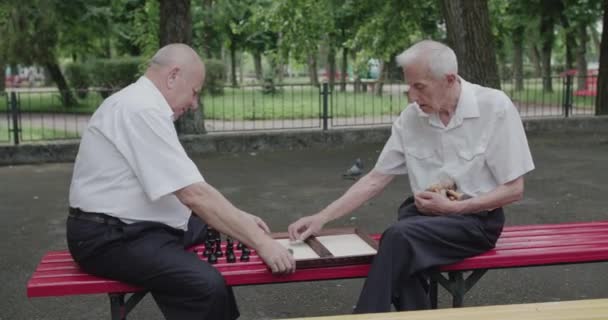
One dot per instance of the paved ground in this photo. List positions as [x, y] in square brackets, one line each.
[568, 185]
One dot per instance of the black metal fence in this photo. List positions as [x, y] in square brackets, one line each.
[35, 115]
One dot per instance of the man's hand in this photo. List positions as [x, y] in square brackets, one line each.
[305, 227]
[258, 221]
[435, 204]
[276, 257]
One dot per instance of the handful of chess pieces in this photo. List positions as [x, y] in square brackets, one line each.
[447, 189]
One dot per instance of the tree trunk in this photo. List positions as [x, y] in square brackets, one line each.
[176, 27]
[2, 76]
[312, 69]
[601, 102]
[175, 22]
[257, 64]
[67, 99]
[344, 71]
[518, 56]
[331, 66]
[547, 23]
[581, 60]
[535, 59]
[470, 35]
[570, 42]
[233, 64]
[207, 30]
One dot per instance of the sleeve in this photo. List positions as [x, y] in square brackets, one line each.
[508, 154]
[392, 158]
[150, 145]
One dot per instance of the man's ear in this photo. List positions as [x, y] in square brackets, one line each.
[172, 78]
[451, 79]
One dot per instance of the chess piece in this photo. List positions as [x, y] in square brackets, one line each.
[218, 249]
[245, 250]
[245, 257]
[240, 246]
[212, 259]
[207, 250]
[230, 257]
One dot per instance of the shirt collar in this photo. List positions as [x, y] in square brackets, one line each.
[158, 97]
[467, 106]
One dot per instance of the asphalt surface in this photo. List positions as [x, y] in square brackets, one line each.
[570, 184]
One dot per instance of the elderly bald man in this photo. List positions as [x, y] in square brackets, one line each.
[453, 131]
[137, 200]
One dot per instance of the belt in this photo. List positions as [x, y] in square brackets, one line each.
[101, 218]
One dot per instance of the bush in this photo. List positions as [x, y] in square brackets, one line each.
[77, 75]
[215, 77]
[114, 74]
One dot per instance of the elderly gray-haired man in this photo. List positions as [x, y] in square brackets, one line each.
[452, 131]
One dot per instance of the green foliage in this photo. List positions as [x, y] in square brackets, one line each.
[77, 75]
[114, 74]
[215, 77]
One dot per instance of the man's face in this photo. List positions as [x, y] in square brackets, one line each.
[424, 89]
[186, 91]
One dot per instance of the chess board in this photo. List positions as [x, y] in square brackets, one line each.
[332, 247]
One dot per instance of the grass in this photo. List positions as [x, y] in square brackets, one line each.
[37, 134]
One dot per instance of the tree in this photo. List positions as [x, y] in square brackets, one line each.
[601, 101]
[176, 27]
[470, 35]
[31, 30]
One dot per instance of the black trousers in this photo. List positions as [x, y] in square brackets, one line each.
[153, 256]
[416, 243]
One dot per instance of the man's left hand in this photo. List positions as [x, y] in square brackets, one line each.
[434, 204]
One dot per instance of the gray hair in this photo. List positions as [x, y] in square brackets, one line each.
[440, 59]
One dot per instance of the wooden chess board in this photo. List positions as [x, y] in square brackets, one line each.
[332, 247]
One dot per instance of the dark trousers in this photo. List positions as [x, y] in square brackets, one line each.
[416, 243]
[153, 256]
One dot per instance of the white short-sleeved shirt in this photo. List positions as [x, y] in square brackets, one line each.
[483, 146]
[130, 160]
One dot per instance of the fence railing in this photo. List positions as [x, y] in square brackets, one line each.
[34, 115]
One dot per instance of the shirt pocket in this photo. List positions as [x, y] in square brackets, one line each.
[471, 154]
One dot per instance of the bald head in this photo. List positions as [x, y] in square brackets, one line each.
[177, 54]
[178, 73]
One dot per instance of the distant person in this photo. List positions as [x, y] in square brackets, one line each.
[134, 190]
[453, 131]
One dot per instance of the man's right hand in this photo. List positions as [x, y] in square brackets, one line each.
[276, 257]
[305, 227]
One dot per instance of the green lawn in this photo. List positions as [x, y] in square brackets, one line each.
[533, 94]
[36, 134]
[297, 102]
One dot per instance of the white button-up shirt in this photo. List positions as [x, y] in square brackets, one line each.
[130, 160]
[483, 146]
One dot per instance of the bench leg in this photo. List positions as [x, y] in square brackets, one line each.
[457, 285]
[117, 306]
[119, 309]
[433, 293]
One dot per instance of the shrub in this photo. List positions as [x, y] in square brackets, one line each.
[77, 75]
[215, 77]
[114, 74]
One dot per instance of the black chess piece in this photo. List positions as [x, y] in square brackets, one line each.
[230, 257]
[246, 250]
[240, 246]
[212, 259]
[245, 257]
[207, 250]
[218, 249]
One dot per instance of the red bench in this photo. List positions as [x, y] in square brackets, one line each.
[518, 246]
